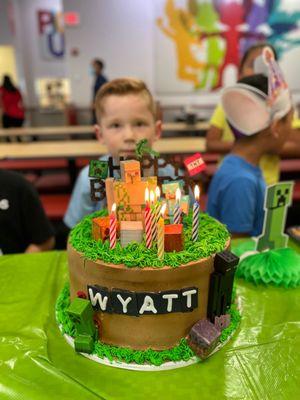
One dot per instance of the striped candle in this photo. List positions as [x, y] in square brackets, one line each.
[177, 208]
[196, 215]
[161, 234]
[153, 220]
[113, 227]
[148, 221]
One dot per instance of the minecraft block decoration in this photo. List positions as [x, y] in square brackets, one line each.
[130, 171]
[173, 237]
[203, 338]
[169, 189]
[98, 169]
[222, 322]
[221, 284]
[100, 228]
[277, 200]
[81, 313]
[225, 261]
[84, 344]
[194, 164]
[131, 231]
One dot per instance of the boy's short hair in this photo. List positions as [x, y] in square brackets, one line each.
[123, 87]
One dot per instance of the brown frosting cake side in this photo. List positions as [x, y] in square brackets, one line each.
[157, 331]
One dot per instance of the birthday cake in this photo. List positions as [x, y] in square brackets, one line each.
[151, 281]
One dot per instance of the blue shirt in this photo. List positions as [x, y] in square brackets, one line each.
[81, 203]
[236, 196]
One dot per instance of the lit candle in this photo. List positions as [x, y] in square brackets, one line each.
[196, 214]
[157, 193]
[161, 234]
[177, 208]
[113, 227]
[148, 220]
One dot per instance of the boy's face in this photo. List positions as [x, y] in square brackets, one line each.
[124, 122]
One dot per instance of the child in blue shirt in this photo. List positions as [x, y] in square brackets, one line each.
[260, 115]
[126, 114]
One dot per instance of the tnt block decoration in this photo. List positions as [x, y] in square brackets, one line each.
[100, 228]
[277, 200]
[221, 284]
[130, 171]
[81, 313]
[203, 338]
[194, 164]
[98, 169]
[131, 231]
[173, 237]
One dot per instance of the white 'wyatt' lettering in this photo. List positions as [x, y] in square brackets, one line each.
[188, 295]
[98, 298]
[170, 297]
[148, 305]
[124, 302]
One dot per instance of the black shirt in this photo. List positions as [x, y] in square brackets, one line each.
[22, 217]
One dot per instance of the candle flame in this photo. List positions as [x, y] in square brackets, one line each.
[178, 195]
[197, 192]
[163, 209]
[146, 195]
[113, 208]
[157, 192]
[152, 196]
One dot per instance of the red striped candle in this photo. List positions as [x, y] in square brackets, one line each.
[113, 227]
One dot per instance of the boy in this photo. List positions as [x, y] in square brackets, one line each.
[24, 227]
[220, 137]
[126, 114]
[260, 117]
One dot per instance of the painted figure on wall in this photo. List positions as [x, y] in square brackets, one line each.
[210, 36]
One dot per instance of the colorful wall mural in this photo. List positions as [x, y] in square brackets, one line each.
[209, 36]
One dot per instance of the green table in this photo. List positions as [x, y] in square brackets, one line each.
[261, 362]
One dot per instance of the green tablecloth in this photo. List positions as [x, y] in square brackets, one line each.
[261, 361]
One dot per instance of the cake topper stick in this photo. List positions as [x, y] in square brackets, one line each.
[196, 214]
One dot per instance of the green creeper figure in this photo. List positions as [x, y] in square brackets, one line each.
[81, 313]
[98, 169]
[277, 200]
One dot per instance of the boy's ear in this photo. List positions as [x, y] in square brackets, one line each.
[98, 133]
[274, 128]
[158, 129]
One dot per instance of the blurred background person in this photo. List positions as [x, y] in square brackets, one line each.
[11, 103]
[100, 79]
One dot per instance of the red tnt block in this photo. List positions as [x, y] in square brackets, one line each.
[194, 164]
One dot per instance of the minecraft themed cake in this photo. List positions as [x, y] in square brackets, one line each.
[151, 277]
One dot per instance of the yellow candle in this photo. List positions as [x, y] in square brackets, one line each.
[161, 234]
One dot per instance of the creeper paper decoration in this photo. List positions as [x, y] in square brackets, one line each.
[98, 169]
[277, 200]
[81, 313]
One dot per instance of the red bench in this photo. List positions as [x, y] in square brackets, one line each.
[55, 205]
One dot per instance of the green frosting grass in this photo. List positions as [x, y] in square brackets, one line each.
[181, 352]
[212, 239]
